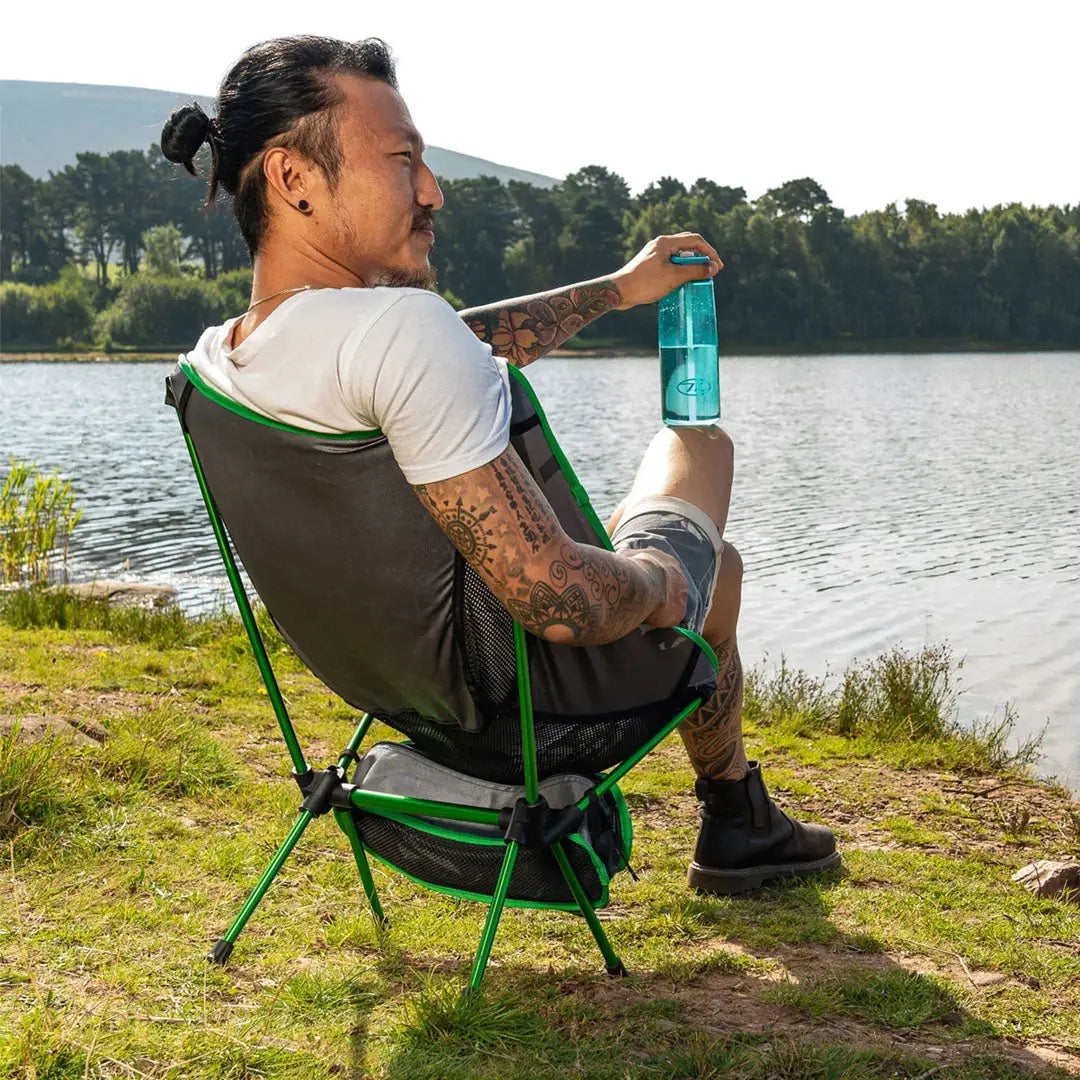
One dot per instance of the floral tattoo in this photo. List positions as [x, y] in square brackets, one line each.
[524, 329]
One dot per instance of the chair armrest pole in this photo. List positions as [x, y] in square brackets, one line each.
[621, 770]
[528, 733]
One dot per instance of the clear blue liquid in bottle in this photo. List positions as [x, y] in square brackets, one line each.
[689, 354]
[689, 377]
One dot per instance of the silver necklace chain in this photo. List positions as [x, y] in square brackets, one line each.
[280, 292]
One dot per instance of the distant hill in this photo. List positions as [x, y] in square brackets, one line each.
[43, 125]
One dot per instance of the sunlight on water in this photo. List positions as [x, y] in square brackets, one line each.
[878, 500]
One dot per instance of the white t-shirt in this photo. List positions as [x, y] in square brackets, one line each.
[345, 360]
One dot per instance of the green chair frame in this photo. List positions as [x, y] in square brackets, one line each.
[326, 790]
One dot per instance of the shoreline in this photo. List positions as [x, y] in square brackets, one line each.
[869, 348]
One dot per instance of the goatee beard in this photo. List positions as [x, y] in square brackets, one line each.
[407, 279]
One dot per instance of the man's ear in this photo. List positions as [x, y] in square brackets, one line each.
[287, 174]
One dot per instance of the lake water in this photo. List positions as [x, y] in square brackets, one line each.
[878, 500]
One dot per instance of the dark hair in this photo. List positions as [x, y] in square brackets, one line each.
[279, 93]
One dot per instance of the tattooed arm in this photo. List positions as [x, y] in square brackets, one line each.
[525, 328]
[569, 593]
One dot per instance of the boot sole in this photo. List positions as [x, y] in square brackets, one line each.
[728, 882]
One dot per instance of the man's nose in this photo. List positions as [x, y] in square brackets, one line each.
[429, 194]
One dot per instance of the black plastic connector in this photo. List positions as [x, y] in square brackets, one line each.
[618, 971]
[537, 825]
[220, 953]
[318, 795]
[324, 790]
[515, 821]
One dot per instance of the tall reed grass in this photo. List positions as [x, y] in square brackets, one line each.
[899, 697]
[37, 518]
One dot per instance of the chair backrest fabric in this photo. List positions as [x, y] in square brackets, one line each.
[376, 601]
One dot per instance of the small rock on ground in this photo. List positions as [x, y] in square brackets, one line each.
[81, 731]
[122, 593]
[1046, 877]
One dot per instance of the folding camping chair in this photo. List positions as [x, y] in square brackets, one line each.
[513, 827]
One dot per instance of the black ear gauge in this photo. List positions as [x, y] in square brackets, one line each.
[303, 205]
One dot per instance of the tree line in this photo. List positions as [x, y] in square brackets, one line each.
[117, 250]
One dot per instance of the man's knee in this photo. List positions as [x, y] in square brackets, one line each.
[712, 446]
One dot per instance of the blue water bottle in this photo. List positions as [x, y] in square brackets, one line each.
[689, 355]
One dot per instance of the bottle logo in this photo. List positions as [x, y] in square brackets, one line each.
[693, 387]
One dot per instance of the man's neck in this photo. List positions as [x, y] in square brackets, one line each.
[279, 274]
[280, 271]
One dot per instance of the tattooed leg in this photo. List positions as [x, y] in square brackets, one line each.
[713, 735]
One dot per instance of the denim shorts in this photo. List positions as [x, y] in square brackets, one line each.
[685, 531]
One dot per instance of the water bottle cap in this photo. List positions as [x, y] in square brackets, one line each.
[683, 257]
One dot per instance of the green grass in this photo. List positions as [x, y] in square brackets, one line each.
[900, 705]
[26, 789]
[124, 862]
[165, 627]
[894, 997]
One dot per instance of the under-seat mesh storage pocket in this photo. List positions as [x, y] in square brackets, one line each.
[463, 858]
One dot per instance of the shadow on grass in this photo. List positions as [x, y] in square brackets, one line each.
[832, 1017]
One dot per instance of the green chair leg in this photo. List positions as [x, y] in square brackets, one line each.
[491, 923]
[614, 964]
[345, 820]
[220, 952]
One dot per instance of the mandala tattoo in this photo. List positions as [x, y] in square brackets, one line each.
[464, 526]
[547, 608]
[502, 527]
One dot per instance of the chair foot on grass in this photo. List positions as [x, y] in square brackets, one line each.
[618, 971]
[220, 953]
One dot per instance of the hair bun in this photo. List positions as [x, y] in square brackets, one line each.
[187, 128]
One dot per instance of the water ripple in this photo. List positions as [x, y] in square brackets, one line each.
[877, 500]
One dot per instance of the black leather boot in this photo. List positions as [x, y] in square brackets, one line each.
[746, 839]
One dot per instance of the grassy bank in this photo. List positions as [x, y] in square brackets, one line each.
[130, 844]
[91, 356]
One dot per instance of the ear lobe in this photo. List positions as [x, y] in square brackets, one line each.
[283, 174]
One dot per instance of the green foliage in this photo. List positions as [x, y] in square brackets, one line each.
[798, 271]
[37, 517]
[47, 316]
[164, 751]
[899, 695]
[234, 290]
[153, 310]
[164, 247]
[891, 996]
[121, 886]
[440, 1014]
[895, 700]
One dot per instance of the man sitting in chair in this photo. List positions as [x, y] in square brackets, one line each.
[345, 333]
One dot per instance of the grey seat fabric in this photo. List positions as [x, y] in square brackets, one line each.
[466, 857]
[397, 769]
[371, 595]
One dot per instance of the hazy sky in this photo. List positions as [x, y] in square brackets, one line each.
[959, 103]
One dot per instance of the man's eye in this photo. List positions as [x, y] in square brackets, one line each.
[407, 153]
